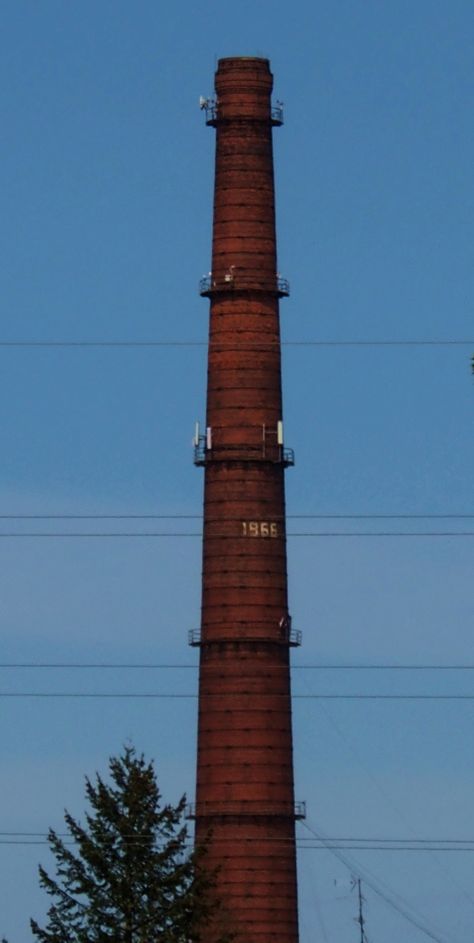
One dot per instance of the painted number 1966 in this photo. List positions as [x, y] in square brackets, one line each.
[259, 529]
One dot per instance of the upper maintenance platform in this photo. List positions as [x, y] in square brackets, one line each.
[243, 88]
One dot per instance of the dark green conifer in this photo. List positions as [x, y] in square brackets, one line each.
[127, 876]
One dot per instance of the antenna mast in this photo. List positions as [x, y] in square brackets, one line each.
[356, 882]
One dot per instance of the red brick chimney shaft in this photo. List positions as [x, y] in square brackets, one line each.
[245, 767]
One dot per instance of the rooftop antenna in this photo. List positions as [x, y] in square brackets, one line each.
[357, 883]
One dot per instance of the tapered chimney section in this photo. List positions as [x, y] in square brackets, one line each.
[245, 796]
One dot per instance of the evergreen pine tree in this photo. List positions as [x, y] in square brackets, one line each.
[127, 876]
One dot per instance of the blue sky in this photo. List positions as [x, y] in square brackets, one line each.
[107, 172]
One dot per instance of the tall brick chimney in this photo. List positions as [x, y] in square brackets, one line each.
[245, 794]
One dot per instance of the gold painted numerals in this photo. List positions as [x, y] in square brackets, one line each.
[259, 529]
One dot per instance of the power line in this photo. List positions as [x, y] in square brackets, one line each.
[300, 667]
[306, 847]
[189, 517]
[283, 840]
[405, 848]
[378, 517]
[46, 535]
[173, 695]
[245, 345]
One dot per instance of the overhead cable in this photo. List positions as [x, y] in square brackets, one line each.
[302, 839]
[246, 345]
[185, 665]
[185, 534]
[300, 847]
[190, 517]
[173, 695]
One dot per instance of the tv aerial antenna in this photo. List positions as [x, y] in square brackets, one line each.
[356, 883]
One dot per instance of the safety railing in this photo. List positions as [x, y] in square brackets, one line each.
[246, 808]
[229, 282]
[242, 453]
[209, 106]
[293, 638]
